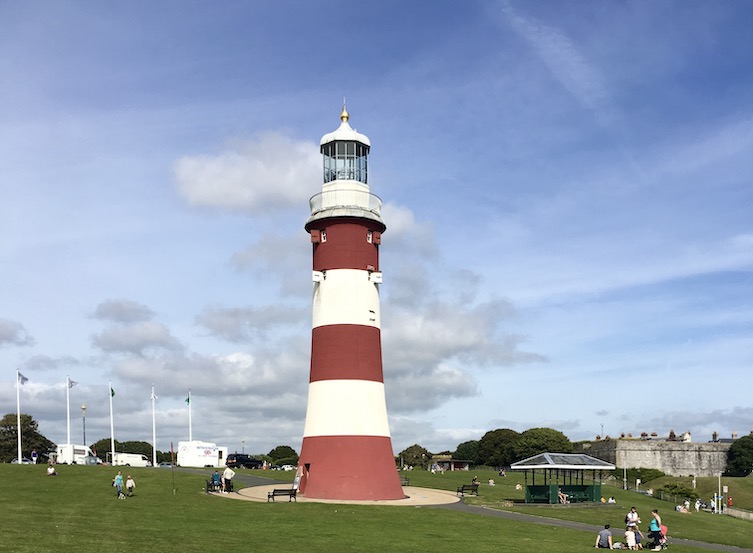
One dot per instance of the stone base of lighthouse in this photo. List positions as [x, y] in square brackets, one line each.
[349, 467]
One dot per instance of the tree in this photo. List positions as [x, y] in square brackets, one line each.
[466, 451]
[541, 440]
[496, 448]
[740, 457]
[415, 456]
[31, 439]
[283, 455]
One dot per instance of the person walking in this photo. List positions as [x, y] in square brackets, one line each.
[118, 483]
[655, 530]
[130, 484]
[632, 519]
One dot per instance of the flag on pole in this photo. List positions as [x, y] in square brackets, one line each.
[22, 379]
[112, 392]
[188, 400]
[71, 383]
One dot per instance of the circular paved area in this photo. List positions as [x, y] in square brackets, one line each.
[415, 496]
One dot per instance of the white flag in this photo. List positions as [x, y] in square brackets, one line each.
[22, 379]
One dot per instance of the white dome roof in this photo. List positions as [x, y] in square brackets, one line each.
[345, 132]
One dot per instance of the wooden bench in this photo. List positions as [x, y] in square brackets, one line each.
[469, 488]
[404, 481]
[290, 492]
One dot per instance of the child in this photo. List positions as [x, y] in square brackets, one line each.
[130, 484]
[630, 537]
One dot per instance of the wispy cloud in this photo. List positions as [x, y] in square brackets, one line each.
[569, 66]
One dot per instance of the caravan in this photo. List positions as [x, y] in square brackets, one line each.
[201, 454]
[71, 454]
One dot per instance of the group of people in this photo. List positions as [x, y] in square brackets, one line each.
[130, 484]
[633, 535]
[223, 483]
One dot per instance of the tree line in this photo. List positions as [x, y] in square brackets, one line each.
[502, 447]
[497, 448]
[31, 440]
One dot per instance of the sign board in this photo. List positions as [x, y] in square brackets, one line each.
[724, 489]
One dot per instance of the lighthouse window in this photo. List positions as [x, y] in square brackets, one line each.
[324, 236]
[345, 161]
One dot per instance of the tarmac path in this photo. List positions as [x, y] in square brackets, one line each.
[522, 517]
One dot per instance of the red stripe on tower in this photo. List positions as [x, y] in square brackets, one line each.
[347, 450]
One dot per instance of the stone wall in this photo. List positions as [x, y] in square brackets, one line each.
[674, 458]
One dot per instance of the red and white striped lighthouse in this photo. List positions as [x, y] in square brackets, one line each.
[347, 450]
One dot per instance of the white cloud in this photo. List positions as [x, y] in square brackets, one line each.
[249, 324]
[14, 333]
[135, 338]
[274, 171]
[122, 311]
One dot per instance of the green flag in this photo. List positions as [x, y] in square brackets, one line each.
[112, 392]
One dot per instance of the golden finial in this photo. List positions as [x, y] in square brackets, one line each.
[344, 115]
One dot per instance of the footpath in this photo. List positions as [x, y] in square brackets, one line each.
[534, 519]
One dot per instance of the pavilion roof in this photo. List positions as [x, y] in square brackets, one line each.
[569, 461]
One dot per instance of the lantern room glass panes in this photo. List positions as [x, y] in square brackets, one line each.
[345, 161]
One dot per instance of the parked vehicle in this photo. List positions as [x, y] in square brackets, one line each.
[239, 460]
[72, 454]
[131, 460]
[200, 454]
[24, 461]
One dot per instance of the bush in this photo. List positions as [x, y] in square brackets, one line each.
[678, 490]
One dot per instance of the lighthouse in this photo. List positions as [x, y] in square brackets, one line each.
[347, 450]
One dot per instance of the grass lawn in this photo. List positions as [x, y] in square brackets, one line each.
[78, 511]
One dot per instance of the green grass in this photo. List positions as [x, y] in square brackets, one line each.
[78, 511]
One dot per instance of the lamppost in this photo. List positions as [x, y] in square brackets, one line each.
[83, 417]
[243, 446]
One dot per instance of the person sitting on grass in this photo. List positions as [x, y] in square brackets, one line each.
[604, 538]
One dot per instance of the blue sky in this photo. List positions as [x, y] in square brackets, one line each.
[566, 186]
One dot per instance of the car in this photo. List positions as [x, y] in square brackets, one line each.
[241, 461]
[24, 461]
[165, 465]
[287, 467]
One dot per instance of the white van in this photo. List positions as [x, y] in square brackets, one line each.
[131, 460]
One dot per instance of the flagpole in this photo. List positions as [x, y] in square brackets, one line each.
[190, 430]
[18, 412]
[68, 406]
[112, 429]
[154, 431]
